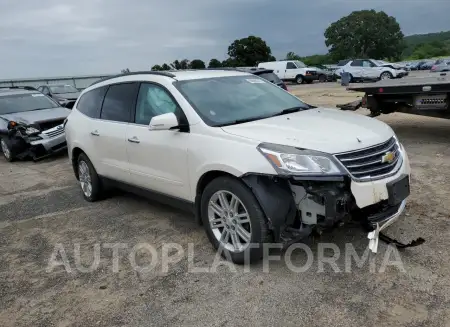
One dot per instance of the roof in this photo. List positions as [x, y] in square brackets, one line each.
[4, 91]
[182, 75]
[179, 75]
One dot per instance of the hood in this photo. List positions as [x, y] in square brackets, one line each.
[34, 116]
[68, 96]
[320, 129]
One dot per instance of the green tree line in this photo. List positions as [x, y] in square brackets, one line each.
[361, 34]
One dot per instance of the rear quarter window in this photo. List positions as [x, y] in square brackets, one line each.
[90, 102]
[271, 77]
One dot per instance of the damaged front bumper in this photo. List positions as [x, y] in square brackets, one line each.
[296, 206]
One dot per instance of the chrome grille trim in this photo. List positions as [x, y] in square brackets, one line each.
[55, 131]
[366, 164]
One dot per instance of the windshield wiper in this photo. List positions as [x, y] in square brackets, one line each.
[289, 111]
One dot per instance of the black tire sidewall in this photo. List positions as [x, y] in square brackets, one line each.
[11, 153]
[95, 180]
[301, 78]
[259, 230]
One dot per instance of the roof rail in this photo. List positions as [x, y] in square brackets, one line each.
[28, 88]
[151, 72]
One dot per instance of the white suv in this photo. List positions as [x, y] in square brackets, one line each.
[253, 162]
[366, 69]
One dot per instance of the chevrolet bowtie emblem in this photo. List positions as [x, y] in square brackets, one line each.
[388, 157]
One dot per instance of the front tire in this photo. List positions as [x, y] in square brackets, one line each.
[89, 180]
[386, 75]
[322, 78]
[7, 150]
[299, 79]
[234, 221]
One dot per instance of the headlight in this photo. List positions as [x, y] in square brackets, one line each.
[31, 130]
[289, 160]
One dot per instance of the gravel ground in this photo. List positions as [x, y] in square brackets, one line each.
[41, 206]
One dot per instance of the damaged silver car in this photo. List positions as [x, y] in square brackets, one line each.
[31, 124]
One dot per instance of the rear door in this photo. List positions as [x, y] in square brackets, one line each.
[109, 132]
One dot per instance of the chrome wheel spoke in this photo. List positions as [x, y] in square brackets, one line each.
[85, 178]
[223, 201]
[243, 233]
[235, 241]
[234, 204]
[217, 223]
[242, 218]
[225, 236]
[216, 208]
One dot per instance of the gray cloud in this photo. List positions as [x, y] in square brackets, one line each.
[56, 37]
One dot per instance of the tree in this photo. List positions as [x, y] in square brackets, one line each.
[165, 67]
[157, 68]
[365, 34]
[214, 63]
[125, 71]
[249, 51]
[183, 64]
[197, 64]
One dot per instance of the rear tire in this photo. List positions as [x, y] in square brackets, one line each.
[322, 78]
[6, 149]
[238, 227]
[90, 182]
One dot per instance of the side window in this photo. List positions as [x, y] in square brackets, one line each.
[91, 102]
[367, 63]
[152, 101]
[45, 90]
[356, 63]
[291, 65]
[119, 102]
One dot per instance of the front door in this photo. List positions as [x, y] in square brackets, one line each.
[291, 70]
[158, 159]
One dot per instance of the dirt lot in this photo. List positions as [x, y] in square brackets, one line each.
[41, 205]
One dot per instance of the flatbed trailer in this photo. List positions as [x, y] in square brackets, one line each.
[426, 96]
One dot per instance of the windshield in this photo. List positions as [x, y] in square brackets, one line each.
[25, 102]
[299, 64]
[59, 89]
[225, 100]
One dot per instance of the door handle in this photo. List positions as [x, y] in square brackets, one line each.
[95, 133]
[134, 139]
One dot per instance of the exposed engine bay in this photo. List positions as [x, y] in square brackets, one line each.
[36, 141]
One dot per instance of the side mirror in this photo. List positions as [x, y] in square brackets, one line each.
[163, 122]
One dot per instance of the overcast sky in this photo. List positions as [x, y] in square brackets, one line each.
[59, 37]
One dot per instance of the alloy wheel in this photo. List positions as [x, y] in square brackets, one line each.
[229, 221]
[5, 149]
[85, 178]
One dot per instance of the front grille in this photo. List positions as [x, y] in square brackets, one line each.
[45, 125]
[54, 132]
[371, 162]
